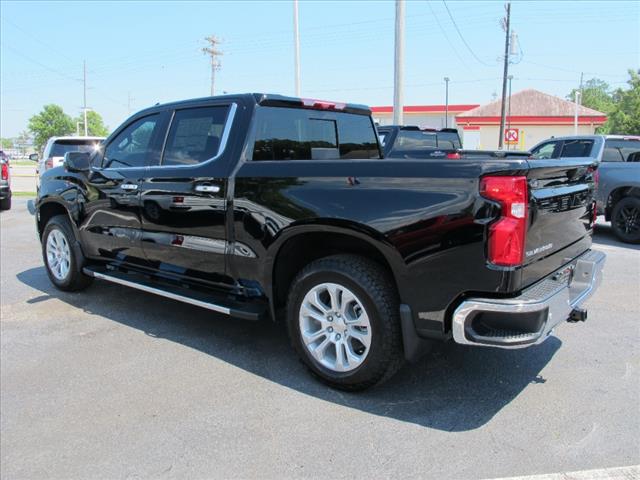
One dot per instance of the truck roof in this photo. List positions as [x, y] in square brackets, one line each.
[269, 99]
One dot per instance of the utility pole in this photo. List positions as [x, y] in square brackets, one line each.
[296, 47]
[129, 99]
[575, 114]
[398, 93]
[510, 77]
[504, 76]
[214, 53]
[84, 108]
[446, 102]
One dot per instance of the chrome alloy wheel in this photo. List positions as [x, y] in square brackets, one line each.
[58, 254]
[335, 327]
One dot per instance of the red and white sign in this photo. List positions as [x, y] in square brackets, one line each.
[511, 135]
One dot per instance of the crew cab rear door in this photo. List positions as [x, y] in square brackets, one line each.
[183, 196]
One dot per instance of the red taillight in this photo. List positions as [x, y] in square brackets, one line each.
[453, 156]
[5, 171]
[322, 105]
[507, 234]
[48, 164]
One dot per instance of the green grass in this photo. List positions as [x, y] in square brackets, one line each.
[23, 194]
[23, 163]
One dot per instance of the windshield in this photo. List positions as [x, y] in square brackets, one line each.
[60, 147]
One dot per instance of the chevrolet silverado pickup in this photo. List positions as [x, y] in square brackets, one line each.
[264, 206]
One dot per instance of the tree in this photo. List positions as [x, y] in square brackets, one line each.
[625, 119]
[6, 143]
[95, 124]
[50, 122]
[596, 94]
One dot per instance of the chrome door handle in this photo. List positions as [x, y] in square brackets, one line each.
[129, 186]
[207, 188]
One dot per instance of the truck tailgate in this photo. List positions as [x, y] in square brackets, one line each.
[561, 193]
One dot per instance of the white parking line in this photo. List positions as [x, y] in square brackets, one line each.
[616, 473]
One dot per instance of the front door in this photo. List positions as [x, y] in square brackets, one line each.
[111, 226]
[182, 199]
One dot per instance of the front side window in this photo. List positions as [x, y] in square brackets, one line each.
[576, 148]
[132, 146]
[544, 151]
[301, 134]
[621, 150]
[194, 136]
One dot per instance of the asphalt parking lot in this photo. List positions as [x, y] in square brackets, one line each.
[116, 383]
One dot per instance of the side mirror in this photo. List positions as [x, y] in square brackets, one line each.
[33, 157]
[77, 161]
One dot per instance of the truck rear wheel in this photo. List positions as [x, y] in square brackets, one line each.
[343, 321]
[625, 219]
[62, 256]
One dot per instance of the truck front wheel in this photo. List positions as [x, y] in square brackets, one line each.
[62, 256]
[343, 321]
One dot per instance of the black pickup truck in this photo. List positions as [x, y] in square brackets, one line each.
[264, 206]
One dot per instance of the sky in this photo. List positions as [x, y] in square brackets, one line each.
[141, 53]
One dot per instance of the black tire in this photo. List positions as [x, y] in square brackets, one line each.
[373, 287]
[5, 204]
[625, 219]
[74, 280]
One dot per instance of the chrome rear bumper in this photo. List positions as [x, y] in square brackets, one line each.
[529, 318]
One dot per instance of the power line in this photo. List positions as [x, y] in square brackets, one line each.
[444, 33]
[462, 37]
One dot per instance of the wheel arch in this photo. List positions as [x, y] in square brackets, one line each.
[49, 208]
[301, 244]
[616, 194]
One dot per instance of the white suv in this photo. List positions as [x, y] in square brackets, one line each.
[56, 147]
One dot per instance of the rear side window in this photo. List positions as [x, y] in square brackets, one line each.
[61, 147]
[132, 147]
[621, 150]
[544, 151]
[194, 135]
[300, 134]
[576, 148]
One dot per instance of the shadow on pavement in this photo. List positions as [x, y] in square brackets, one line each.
[454, 388]
[603, 235]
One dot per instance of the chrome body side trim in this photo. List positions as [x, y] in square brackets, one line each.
[558, 297]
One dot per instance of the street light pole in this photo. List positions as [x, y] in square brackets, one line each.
[296, 47]
[446, 102]
[575, 114]
[84, 108]
[398, 94]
